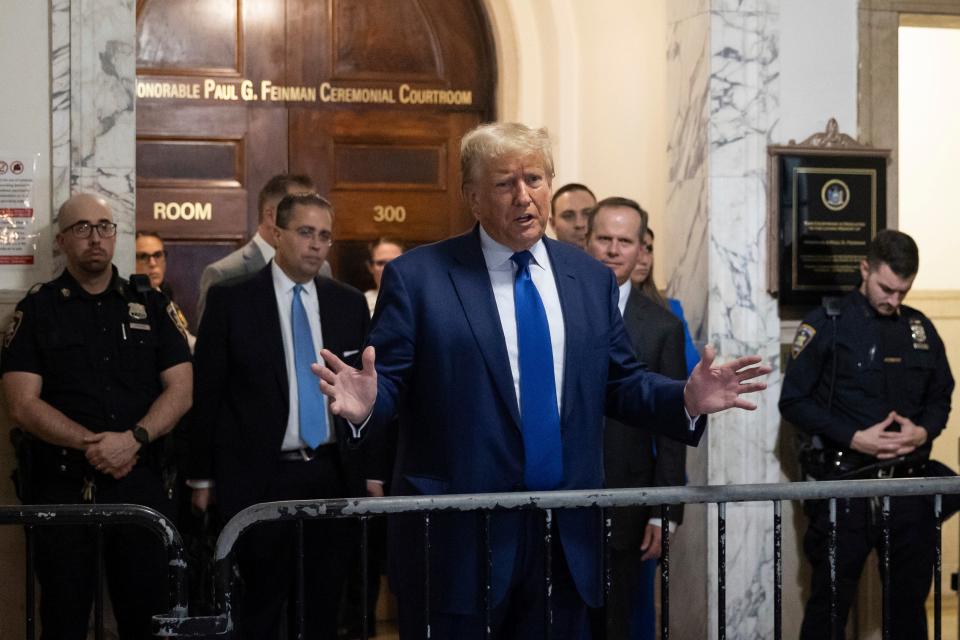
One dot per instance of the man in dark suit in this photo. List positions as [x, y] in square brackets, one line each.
[254, 255]
[262, 431]
[500, 351]
[634, 457]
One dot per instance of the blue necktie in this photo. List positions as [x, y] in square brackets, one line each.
[313, 414]
[540, 420]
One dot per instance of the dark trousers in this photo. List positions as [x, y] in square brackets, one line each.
[266, 555]
[134, 560]
[522, 614]
[631, 614]
[912, 538]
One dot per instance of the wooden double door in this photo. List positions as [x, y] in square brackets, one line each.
[368, 97]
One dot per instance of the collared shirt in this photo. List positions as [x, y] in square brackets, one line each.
[283, 289]
[625, 290]
[502, 271]
[266, 250]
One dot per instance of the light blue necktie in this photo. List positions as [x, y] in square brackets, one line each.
[539, 417]
[313, 414]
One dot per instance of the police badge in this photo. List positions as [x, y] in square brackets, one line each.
[137, 311]
[919, 335]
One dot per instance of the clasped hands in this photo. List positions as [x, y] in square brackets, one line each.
[882, 444]
[112, 452]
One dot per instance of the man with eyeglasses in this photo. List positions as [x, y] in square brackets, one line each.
[96, 371]
[252, 256]
[262, 430]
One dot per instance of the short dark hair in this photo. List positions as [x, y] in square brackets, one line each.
[277, 187]
[289, 201]
[895, 249]
[567, 188]
[619, 201]
[147, 234]
[385, 240]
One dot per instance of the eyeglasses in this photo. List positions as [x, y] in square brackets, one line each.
[156, 255]
[308, 234]
[83, 229]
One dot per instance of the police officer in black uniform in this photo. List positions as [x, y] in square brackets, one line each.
[96, 370]
[869, 382]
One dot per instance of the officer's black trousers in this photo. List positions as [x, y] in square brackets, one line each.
[912, 552]
[134, 561]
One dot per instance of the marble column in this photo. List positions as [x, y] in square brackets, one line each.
[93, 127]
[723, 90]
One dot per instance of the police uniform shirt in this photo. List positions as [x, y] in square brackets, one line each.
[100, 356]
[883, 363]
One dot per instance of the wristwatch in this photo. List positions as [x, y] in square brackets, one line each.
[141, 435]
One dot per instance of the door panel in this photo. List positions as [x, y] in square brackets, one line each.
[382, 92]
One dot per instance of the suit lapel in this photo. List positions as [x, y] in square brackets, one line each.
[268, 320]
[574, 323]
[472, 282]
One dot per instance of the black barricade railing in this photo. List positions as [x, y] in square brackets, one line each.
[33, 517]
[546, 502]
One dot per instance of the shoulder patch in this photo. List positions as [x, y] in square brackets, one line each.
[35, 288]
[805, 334]
[12, 327]
[179, 320]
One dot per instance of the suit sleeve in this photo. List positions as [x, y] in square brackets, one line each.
[393, 335]
[799, 402]
[636, 396]
[936, 400]
[671, 455]
[210, 376]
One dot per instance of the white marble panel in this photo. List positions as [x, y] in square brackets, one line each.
[688, 74]
[103, 83]
[744, 90]
[678, 10]
[60, 100]
[685, 231]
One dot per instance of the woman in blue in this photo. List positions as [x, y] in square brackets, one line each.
[643, 279]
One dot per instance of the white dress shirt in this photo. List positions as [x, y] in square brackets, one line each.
[502, 271]
[625, 290]
[283, 288]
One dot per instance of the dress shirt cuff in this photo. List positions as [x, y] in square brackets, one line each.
[658, 522]
[358, 429]
[200, 483]
[374, 480]
[691, 419]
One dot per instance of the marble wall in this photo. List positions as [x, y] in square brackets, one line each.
[93, 126]
[724, 100]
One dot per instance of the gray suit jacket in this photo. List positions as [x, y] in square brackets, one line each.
[244, 261]
[635, 457]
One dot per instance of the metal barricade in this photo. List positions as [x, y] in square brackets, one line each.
[547, 502]
[33, 517]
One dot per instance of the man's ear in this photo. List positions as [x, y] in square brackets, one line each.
[864, 270]
[471, 196]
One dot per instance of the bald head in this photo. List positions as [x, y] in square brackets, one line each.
[88, 247]
[83, 206]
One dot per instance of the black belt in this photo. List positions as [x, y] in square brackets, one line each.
[306, 454]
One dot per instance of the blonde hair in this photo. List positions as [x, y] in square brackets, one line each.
[497, 139]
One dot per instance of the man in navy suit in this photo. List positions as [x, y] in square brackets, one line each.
[453, 343]
[261, 430]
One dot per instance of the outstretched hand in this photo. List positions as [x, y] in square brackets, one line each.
[711, 389]
[351, 392]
